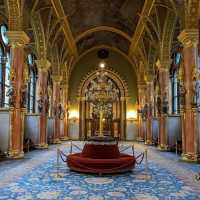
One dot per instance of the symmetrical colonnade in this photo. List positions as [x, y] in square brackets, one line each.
[189, 39]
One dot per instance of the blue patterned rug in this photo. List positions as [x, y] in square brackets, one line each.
[36, 178]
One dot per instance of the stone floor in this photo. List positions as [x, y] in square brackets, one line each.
[35, 177]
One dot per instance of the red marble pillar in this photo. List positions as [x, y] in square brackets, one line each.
[123, 117]
[149, 101]
[43, 101]
[18, 39]
[190, 138]
[56, 109]
[141, 103]
[65, 106]
[163, 83]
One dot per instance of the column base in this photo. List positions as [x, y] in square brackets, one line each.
[148, 142]
[65, 138]
[42, 146]
[139, 139]
[163, 147]
[15, 154]
[56, 141]
[190, 157]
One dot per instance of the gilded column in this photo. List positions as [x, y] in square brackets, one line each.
[43, 101]
[149, 100]
[18, 39]
[190, 139]
[56, 108]
[163, 115]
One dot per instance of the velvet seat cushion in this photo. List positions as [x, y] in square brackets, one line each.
[90, 165]
[100, 151]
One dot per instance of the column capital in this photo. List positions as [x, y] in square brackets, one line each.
[189, 37]
[43, 64]
[57, 78]
[163, 65]
[18, 38]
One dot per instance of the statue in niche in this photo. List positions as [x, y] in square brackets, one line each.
[61, 113]
[46, 103]
[195, 92]
[23, 96]
[182, 92]
[11, 94]
[158, 103]
[165, 104]
[40, 104]
[145, 111]
[150, 110]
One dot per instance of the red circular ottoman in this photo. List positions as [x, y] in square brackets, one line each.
[101, 158]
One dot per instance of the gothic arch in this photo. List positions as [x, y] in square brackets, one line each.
[103, 28]
[111, 74]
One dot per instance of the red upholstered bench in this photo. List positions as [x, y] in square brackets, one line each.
[101, 158]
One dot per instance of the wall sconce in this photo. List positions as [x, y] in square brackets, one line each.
[131, 115]
[73, 115]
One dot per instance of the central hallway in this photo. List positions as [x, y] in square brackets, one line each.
[35, 177]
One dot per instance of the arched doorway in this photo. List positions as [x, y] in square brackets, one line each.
[103, 105]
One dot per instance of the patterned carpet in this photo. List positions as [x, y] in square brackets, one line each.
[35, 177]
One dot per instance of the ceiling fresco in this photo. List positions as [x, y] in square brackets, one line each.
[87, 14]
[103, 38]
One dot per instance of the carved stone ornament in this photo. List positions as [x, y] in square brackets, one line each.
[17, 38]
[189, 37]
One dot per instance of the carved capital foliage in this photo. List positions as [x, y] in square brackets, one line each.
[189, 37]
[57, 78]
[18, 38]
[43, 64]
[164, 64]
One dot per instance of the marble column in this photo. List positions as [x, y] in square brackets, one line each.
[65, 105]
[56, 103]
[149, 101]
[190, 137]
[43, 101]
[162, 117]
[141, 103]
[123, 118]
[82, 133]
[17, 39]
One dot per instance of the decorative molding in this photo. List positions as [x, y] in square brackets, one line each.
[43, 64]
[18, 38]
[56, 78]
[14, 15]
[148, 5]
[121, 83]
[103, 28]
[60, 13]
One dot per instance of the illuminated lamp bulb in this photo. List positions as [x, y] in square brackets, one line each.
[102, 65]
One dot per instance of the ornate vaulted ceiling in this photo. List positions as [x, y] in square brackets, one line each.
[63, 30]
[87, 14]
